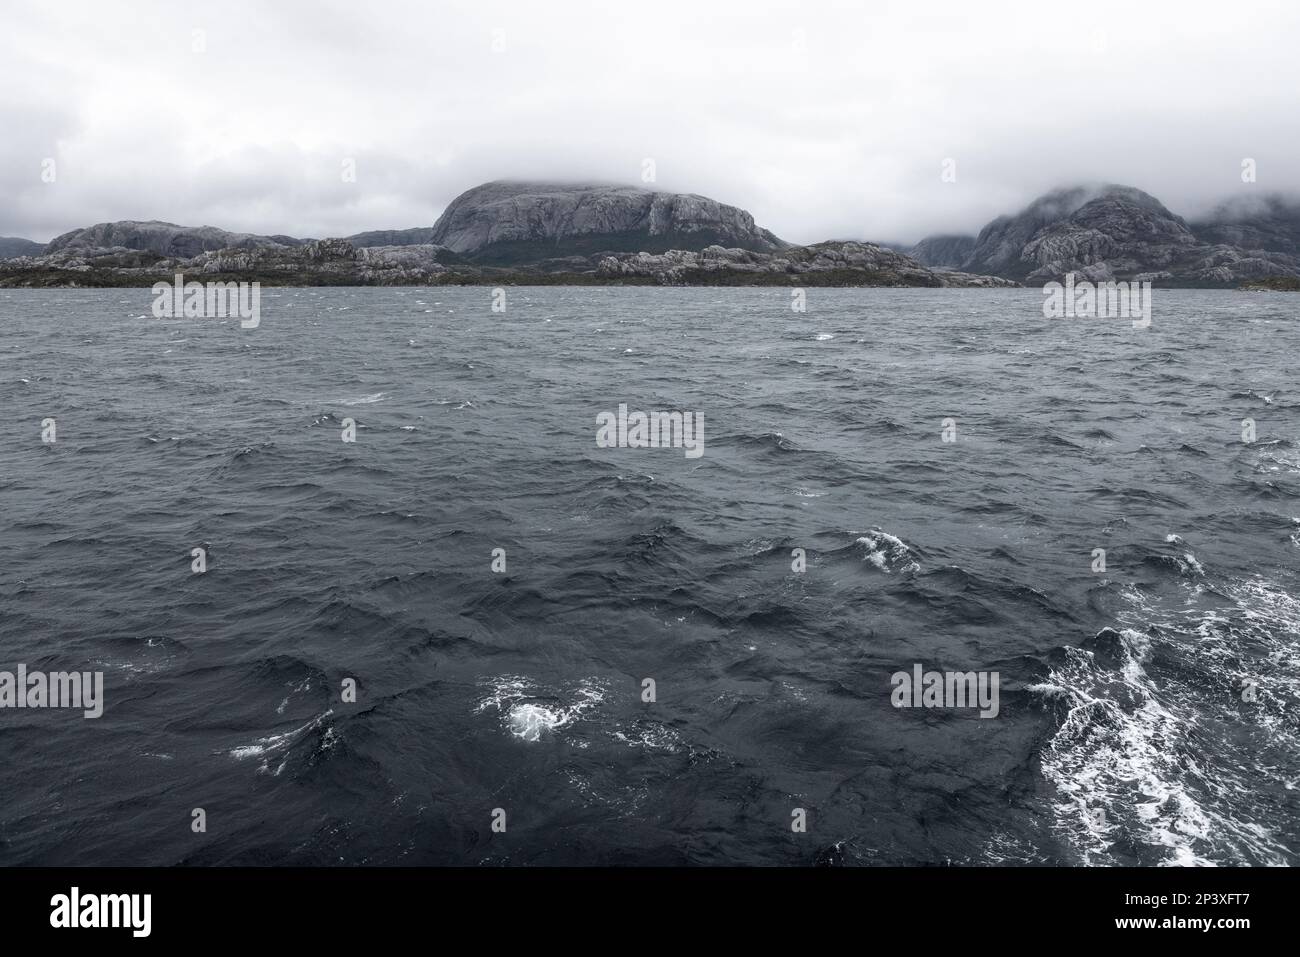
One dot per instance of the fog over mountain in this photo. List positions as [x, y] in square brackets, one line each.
[824, 120]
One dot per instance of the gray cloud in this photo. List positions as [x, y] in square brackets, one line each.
[824, 119]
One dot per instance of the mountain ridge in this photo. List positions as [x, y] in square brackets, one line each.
[514, 230]
[1112, 232]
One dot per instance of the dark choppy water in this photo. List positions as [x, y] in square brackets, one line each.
[522, 690]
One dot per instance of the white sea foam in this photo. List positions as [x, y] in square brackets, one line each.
[651, 736]
[805, 493]
[266, 747]
[1178, 761]
[530, 712]
[365, 399]
[1278, 460]
[887, 552]
[529, 720]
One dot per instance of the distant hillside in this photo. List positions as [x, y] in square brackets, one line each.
[1268, 222]
[508, 223]
[420, 236]
[943, 251]
[11, 247]
[1118, 232]
[591, 233]
[162, 239]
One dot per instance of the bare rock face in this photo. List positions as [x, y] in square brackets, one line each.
[999, 246]
[1070, 230]
[515, 231]
[508, 223]
[968, 280]
[862, 257]
[825, 264]
[82, 260]
[681, 266]
[319, 259]
[401, 265]
[316, 262]
[1117, 232]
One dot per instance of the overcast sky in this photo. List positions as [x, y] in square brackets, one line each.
[824, 119]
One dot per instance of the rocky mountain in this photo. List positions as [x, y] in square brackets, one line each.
[499, 224]
[1118, 232]
[505, 232]
[507, 223]
[949, 252]
[162, 239]
[1269, 222]
[420, 236]
[12, 247]
[999, 246]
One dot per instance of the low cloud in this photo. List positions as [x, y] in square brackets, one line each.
[824, 119]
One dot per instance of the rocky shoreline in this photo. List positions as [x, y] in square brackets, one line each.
[511, 233]
[337, 262]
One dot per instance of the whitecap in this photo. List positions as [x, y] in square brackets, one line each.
[1174, 762]
[365, 399]
[529, 720]
[531, 712]
[650, 736]
[805, 493]
[265, 747]
[887, 552]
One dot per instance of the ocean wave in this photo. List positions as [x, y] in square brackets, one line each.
[651, 736]
[1173, 725]
[365, 399]
[1283, 459]
[274, 744]
[887, 552]
[765, 442]
[531, 712]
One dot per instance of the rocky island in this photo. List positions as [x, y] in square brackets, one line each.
[511, 232]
